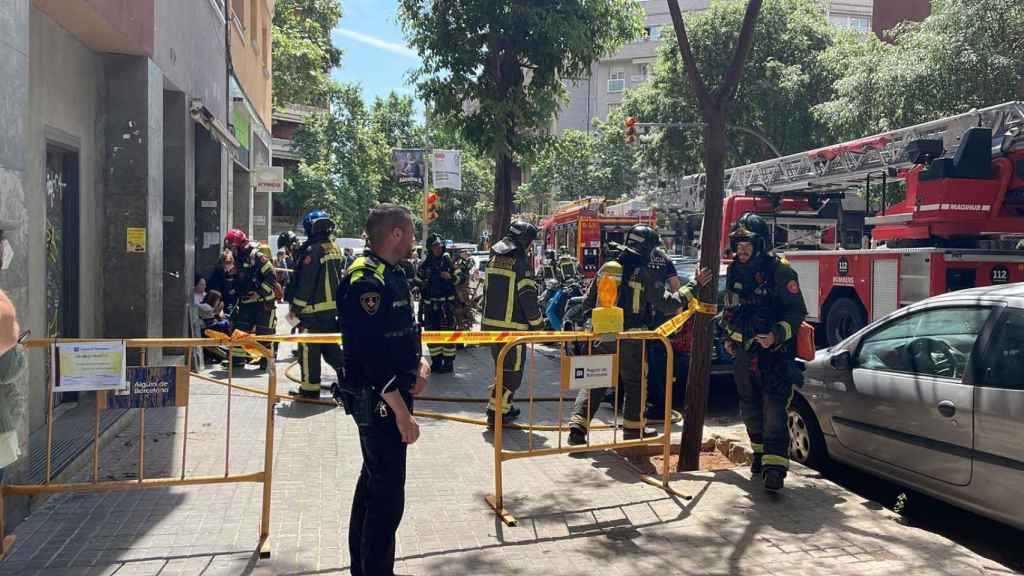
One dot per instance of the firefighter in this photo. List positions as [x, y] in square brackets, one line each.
[259, 287]
[437, 301]
[657, 359]
[641, 288]
[311, 299]
[548, 266]
[383, 372]
[763, 311]
[510, 303]
[567, 269]
[463, 298]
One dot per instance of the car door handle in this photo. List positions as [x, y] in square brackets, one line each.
[947, 408]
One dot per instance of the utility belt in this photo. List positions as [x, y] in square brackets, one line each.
[358, 401]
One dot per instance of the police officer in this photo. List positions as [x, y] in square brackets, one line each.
[259, 287]
[383, 371]
[640, 290]
[763, 312]
[437, 300]
[510, 275]
[311, 299]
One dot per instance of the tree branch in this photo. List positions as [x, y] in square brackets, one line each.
[727, 90]
[700, 90]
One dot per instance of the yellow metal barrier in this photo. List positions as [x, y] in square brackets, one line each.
[501, 455]
[264, 476]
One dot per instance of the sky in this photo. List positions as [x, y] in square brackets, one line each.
[375, 53]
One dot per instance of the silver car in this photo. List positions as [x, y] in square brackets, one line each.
[931, 397]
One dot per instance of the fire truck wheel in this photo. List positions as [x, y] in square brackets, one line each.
[806, 442]
[844, 318]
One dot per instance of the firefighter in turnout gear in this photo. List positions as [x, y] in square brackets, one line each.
[383, 372]
[510, 304]
[259, 287]
[763, 311]
[568, 269]
[548, 266]
[437, 300]
[642, 291]
[463, 297]
[319, 270]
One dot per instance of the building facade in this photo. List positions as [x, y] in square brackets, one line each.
[887, 14]
[603, 90]
[115, 188]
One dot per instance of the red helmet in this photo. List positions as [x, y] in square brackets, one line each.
[236, 239]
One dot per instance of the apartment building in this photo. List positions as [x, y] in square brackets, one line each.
[603, 90]
[123, 129]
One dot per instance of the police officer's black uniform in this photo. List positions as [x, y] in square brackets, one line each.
[382, 354]
[311, 296]
[763, 297]
[437, 302]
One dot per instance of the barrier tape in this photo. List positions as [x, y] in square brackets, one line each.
[677, 321]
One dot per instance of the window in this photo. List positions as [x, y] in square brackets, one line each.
[1005, 363]
[860, 24]
[652, 33]
[266, 49]
[933, 343]
[644, 69]
[617, 80]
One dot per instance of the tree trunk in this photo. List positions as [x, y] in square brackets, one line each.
[698, 379]
[502, 193]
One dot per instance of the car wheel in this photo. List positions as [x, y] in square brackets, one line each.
[844, 318]
[806, 442]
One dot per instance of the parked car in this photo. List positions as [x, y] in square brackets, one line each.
[931, 397]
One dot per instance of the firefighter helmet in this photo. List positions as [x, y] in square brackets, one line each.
[317, 222]
[286, 240]
[549, 255]
[434, 240]
[750, 228]
[641, 239]
[235, 239]
[522, 233]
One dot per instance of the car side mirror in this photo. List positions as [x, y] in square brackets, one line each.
[842, 360]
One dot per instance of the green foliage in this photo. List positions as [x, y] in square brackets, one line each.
[782, 81]
[579, 164]
[967, 54]
[504, 60]
[303, 54]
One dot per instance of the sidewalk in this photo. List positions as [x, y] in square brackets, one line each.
[577, 515]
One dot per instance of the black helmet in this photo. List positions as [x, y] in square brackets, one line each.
[286, 240]
[522, 233]
[434, 239]
[750, 228]
[641, 239]
[549, 254]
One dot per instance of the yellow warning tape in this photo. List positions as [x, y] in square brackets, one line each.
[677, 321]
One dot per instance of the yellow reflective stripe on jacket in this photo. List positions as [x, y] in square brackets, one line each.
[321, 307]
[490, 323]
[509, 298]
[526, 282]
[358, 269]
[786, 329]
[636, 288]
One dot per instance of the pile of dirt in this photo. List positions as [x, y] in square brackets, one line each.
[709, 460]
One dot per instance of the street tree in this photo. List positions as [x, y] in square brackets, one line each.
[494, 70]
[966, 54]
[715, 106]
[303, 54]
[782, 82]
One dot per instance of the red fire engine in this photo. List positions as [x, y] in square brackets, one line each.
[587, 227]
[957, 227]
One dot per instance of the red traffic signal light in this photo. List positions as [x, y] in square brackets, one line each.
[430, 209]
[630, 129]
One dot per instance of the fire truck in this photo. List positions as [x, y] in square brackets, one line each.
[588, 227]
[957, 225]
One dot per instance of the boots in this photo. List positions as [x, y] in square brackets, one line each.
[577, 436]
[303, 393]
[436, 363]
[773, 478]
[755, 465]
[446, 365]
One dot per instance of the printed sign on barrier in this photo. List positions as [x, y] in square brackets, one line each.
[586, 372]
[151, 387]
[86, 366]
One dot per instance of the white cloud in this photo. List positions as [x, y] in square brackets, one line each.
[393, 47]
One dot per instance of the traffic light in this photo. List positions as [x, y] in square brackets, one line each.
[430, 207]
[630, 129]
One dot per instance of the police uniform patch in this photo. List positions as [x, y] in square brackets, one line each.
[370, 302]
[793, 287]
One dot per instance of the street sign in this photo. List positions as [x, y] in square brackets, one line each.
[269, 179]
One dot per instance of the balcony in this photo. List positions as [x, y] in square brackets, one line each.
[282, 148]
